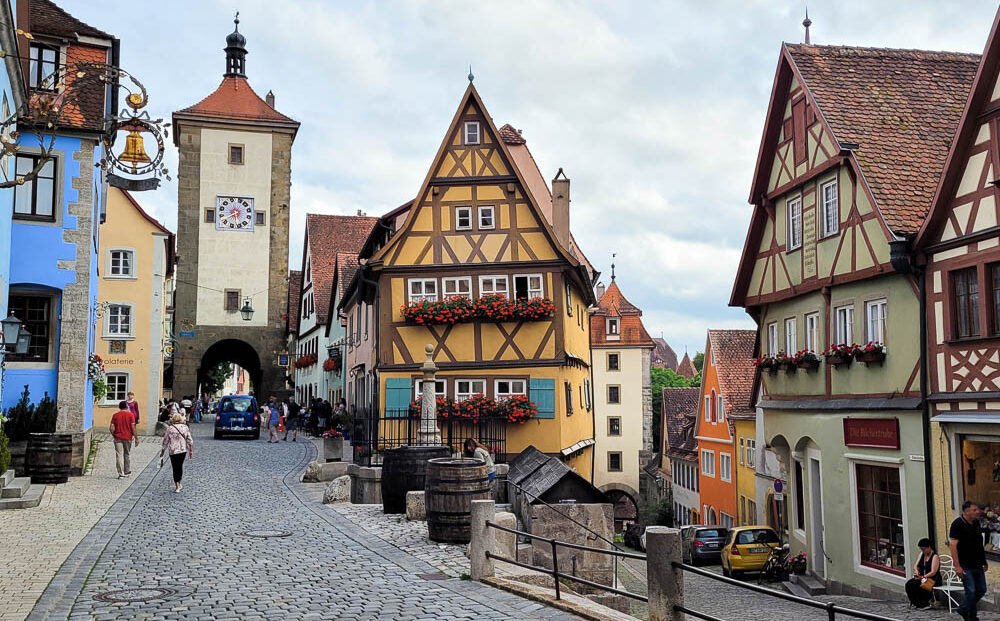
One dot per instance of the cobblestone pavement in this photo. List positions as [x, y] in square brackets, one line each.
[35, 542]
[190, 543]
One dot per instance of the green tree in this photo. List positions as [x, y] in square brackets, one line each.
[665, 378]
[215, 378]
[698, 360]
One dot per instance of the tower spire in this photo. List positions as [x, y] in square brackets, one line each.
[236, 52]
[807, 22]
[613, 255]
[471, 77]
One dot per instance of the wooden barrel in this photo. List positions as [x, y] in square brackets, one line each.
[452, 485]
[403, 471]
[49, 457]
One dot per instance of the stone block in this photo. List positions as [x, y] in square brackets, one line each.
[339, 490]
[526, 553]
[318, 472]
[506, 542]
[562, 522]
[366, 484]
[416, 508]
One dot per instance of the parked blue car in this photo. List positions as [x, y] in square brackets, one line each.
[237, 415]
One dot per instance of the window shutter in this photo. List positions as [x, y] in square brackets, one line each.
[397, 397]
[542, 392]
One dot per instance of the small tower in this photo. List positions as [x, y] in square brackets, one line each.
[236, 52]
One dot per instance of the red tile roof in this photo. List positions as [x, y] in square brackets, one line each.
[631, 330]
[732, 356]
[327, 236]
[234, 99]
[510, 135]
[686, 368]
[679, 409]
[664, 357]
[48, 18]
[347, 266]
[901, 106]
[294, 298]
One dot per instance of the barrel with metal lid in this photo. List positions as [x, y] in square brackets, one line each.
[451, 486]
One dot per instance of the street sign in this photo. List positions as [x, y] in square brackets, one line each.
[282, 360]
[778, 486]
[779, 496]
[186, 335]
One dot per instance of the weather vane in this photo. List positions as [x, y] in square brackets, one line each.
[471, 77]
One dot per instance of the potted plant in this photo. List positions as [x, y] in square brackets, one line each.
[807, 359]
[785, 363]
[871, 352]
[333, 445]
[767, 363]
[840, 354]
[799, 564]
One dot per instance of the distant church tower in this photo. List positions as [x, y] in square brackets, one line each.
[232, 231]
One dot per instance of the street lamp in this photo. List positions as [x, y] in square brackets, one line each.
[247, 310]
[15, 336]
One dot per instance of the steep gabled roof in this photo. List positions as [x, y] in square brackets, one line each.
[234, 100]
[686, 368]
[49, 19]
[680, 409]
[327, 237]
[347, 265]
[631, 331]
[664, 356]
[294, 298]
[732, 355]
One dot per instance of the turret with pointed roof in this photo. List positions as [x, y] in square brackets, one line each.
[685, 367]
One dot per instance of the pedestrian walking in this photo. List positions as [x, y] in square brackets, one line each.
[292, 420]
[133, 406]
[196, 410]
[272, 420]
[177, 442]
[966, 543]
[325, 414]
[122, 429]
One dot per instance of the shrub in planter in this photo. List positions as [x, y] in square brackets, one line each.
[871, 352]
[807, 359]
[4, 448]
[767, 363]
[785, 362]
[840, 354]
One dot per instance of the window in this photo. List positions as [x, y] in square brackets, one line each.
[772, 338]
[742, 452]
[612, 328]
[812, 332]
[794, 215]
[35, 199]
[844, 327]
[528, 286]
[725, 466]
[614, 394]
[875, 313]
[42, 67]
[440, 388]
[117, 387]
[119, 320]
[800, 507]
[708, 463]
[995, 274]
[508, 388]
[569, 301]
[122, 264]
[751, 452]
[423, 289]
[460, 286]
[712, 402]
[613, 361]
[614, 462]
[751, 511]
[743, 512]
[463, 218]
[708, 408]
[232, 301]
[486, 217]
[492, 285]
[568, 389]
[791, 342]
[235, 154]
[472, 132]
[722, 411]
[725, 520]
[966, 286]
[34, 312]
[587, 394]
[210, 216]
[258, 218]
[830, 209]
[880, 518]
[614, 426]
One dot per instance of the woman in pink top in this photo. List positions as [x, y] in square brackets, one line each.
[177, 443]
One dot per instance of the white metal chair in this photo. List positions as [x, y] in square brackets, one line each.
[950, 582]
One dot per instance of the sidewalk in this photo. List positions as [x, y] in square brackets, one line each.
[35, 542]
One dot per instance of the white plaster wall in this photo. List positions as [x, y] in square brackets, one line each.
[630, 378]
[234, 259]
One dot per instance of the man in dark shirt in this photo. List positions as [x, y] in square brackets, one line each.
[966, 543]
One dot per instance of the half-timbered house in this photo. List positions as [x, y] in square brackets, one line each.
[853, 144]
[484, 238]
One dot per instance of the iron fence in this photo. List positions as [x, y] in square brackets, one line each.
[374, 433]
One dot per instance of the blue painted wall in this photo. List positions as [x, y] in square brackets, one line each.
[6, 201]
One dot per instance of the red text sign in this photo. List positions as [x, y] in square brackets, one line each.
[872, 432]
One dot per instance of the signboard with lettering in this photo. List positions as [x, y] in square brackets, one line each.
[872, 433]
[186, 334]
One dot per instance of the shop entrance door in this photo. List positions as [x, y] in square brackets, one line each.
[816, 546]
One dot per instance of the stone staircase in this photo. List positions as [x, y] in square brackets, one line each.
[804, 586]
[18, 492]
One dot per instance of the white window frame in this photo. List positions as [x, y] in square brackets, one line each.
[793, 214]
[418, 388]
[830, 202]
[875, 329]
[751, 452]
[132, 273]
[721, 408]
[487, 211]
[710, 456]
[726, 467]
[423, 295]
[587, 396]
[472, 128]
[772, 338]
[538, 292]
[456, 282]
[708, 408]
[812, 332]
[843, 324]
[791, 338]
[614, 335]
[462, 395]
[463, 213]
[499, 396]
[742, 451]
[109, 397]
[494, 280]
[726, 520]
[118, 335]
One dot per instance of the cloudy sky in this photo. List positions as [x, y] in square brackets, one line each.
[654, 109]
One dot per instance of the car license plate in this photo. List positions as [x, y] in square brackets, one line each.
[758, 550]
[711, 545]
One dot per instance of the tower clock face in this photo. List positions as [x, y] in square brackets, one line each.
[233, 213]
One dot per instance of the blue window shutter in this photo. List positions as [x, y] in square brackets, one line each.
[543, 393]
[397, 397]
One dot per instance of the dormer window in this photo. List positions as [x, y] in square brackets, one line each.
[472, 132]
[42, 67]
[613, 328]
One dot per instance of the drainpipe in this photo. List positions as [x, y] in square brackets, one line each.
[901, 260]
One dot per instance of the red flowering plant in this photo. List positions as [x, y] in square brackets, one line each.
[495, 308]
[872, 347]
[446, 407]
[805, 356]
[476, 407]
[842, 350]
[534, 309]
[518, 409]
[306, 360]
[766, 363]
[452, 310]
[458, 309]
[331, 365]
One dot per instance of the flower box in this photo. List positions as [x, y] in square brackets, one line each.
[806, 359]
[788, 366]
[516, 409]
[496, 308]
[333, 448]
[871, 357]
[808, 365]
[841, 354]
[839, 359]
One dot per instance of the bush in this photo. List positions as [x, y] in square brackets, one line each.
[4, 452]
[661, 514]
[26, 417]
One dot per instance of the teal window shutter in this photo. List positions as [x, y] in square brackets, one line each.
[397, 397]
[543, 392]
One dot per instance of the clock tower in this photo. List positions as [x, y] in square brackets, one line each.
[234, 176]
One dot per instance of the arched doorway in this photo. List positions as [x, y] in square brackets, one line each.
[626, 509]
[231, 351]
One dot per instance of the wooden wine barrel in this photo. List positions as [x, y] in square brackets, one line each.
[403, 471]
[49, 457]
[451, 486]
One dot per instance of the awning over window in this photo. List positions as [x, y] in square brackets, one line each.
[579, 446]
[967, 417]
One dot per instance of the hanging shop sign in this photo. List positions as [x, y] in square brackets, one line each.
[872, 433]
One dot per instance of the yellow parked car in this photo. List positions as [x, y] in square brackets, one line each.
[746, 549]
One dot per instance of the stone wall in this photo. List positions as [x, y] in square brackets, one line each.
[554, 522]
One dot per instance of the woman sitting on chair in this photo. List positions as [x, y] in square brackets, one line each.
[926, 575]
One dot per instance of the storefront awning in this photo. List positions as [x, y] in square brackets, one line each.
[579, 446]
[967, 417]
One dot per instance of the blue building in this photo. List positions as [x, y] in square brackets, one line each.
[56, 221]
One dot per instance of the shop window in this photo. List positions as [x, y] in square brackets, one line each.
[880, 518]
[981, 482]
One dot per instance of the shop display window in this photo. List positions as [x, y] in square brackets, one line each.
[880, 518]
[981, 484]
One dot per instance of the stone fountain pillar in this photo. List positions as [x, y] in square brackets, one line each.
[428, 433]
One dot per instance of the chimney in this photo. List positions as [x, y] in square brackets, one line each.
[560, 208]
[269, 98]
[599, 290]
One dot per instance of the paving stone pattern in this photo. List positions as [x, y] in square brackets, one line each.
[329, 568]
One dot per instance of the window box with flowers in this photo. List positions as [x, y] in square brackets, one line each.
[767, 363]
[306, 360]
[495, 308]
[331, 365]
[516, 409]
[786, 363]
[840, 355]
[871, 353]
[807, 359]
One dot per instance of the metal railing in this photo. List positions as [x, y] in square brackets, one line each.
[555, 573]
[375, 432]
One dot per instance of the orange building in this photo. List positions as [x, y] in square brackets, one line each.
[726, 383]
